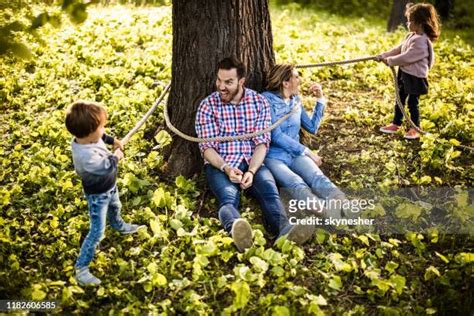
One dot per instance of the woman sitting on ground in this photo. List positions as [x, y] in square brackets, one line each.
[294, 166]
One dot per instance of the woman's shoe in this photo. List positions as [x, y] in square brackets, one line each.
[300, 234]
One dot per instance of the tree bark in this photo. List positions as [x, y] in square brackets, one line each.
[204, 32]
[397, 15]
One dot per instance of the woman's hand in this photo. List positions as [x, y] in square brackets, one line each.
[315, 157]
[317, 90]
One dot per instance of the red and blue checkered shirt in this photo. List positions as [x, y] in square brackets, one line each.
[215, 118]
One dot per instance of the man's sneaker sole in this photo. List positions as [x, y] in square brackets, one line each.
[412, 137]
[242, 234]
[301, 233]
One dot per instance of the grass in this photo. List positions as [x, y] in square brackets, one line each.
[184, 262]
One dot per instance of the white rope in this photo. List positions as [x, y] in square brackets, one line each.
[127, 137]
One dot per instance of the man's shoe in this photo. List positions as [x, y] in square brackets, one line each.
[390, 129]
[130, 228]
[242, 234]
[412, 134]
[299, 234]
[84, 277]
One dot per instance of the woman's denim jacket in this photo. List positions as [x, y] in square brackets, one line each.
[285, 144]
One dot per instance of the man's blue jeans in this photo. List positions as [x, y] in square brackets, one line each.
[101, 207]
[302, 173]
[263, 189]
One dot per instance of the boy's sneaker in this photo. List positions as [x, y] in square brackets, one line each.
[242, 234]
[412, 134]
[390, 129]
[130, 228]
[299, 234]
[84, 277]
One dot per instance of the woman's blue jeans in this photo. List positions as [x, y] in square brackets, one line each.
[300, 174]
[263, 189]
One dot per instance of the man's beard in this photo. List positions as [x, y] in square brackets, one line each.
[229, 96]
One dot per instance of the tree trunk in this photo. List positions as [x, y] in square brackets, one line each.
[204, 32]
[397, 15]
[444, 7]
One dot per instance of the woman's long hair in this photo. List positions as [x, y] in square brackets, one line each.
[278, 74]
[425, 15]
[275, 78]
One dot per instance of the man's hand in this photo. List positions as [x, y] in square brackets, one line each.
[118, 153]
[317, 160]
[118, 144]
[234, 174]
[247, 180]
[317, 90]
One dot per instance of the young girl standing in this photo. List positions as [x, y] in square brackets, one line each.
[414, 57]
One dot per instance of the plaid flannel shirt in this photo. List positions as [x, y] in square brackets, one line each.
[215, 118]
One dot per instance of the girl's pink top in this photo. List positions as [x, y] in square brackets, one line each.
[415, 55]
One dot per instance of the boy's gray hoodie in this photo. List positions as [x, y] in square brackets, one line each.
[96, 165]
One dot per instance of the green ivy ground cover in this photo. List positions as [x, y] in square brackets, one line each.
[183, 262]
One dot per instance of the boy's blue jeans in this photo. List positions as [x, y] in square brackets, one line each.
[263, 189]
[102, 206]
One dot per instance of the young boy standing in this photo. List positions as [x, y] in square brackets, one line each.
[97, 167]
